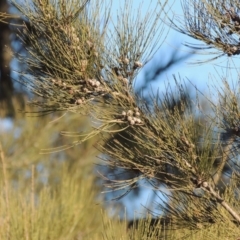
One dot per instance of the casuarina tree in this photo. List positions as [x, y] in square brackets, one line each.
[84, 60]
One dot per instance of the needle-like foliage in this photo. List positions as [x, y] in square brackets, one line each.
[81, 59]
[214, 22]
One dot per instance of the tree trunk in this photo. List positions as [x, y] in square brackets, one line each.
[6, 85]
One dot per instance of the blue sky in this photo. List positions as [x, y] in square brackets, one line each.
[201, 75]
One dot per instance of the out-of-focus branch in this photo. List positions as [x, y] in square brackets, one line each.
[224, 153]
